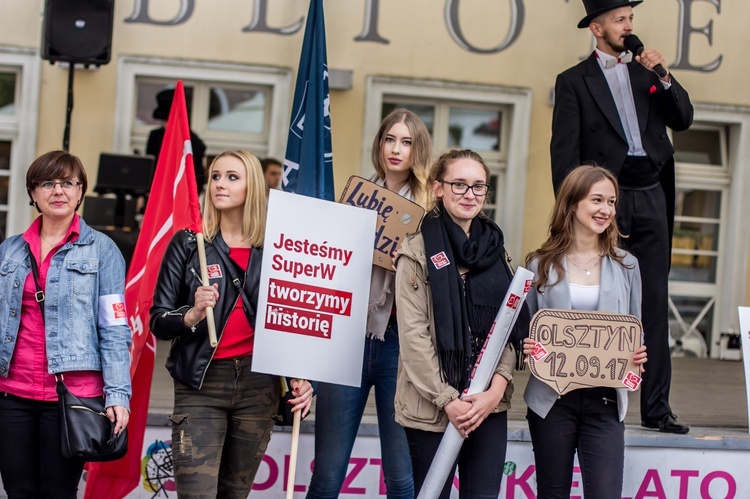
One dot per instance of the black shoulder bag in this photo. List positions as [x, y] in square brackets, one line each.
[86, 433]
[284, 415]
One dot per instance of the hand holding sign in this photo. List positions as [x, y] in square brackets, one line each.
[571, 349]
[397, 216]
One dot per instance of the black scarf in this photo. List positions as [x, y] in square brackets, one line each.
[464, 308]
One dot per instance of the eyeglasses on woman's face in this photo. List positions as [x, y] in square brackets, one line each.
[67, 185]
[460, 188]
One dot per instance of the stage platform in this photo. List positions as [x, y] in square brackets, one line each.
[708, 395]
[710, 462]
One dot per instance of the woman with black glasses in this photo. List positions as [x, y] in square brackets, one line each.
[80, 329]
[451, 279]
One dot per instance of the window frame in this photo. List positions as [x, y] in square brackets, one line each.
[733, 180]
[20, 130]
[515, 135]
[279, 80]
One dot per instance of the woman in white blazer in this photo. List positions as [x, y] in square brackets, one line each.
[581, 267]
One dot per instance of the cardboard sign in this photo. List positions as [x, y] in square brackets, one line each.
[577, 349]
[397, 216]
[314, 288]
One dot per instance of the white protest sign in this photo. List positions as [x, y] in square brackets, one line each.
[745, 339]
[314, 289]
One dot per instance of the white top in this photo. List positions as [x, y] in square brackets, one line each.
[584, 297]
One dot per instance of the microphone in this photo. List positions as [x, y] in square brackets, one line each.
[635, 45]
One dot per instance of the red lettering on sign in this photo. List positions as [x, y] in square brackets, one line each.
[291, 320]
[330, 301]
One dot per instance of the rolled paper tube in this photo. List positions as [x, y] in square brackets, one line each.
[481, 377]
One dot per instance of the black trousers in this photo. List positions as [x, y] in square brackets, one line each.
[31, 461]
[584, 421]
[642, 216]
[480, 461]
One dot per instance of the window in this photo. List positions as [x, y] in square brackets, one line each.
[466, 116]
[697, 247]
[19, 94]
[459, 125]
[230, 106]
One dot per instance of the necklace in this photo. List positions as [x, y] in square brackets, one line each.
[587, 270]
[51, 245]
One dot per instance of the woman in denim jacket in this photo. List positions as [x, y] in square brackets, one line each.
[82, 332]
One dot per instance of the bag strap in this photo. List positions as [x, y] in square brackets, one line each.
[235, 280]
[39, 295]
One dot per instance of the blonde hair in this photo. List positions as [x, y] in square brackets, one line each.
[254, 214]
[421, 152]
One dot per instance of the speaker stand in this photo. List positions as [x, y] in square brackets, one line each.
[69, 107]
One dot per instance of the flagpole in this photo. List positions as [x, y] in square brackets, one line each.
[293, 455]
[204, 278]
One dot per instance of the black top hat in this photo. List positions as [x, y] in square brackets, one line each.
[596, 7]
[164, 104]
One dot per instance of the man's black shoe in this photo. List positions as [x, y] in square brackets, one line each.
[667, 424]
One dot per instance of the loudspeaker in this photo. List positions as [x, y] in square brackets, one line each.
[131, 174]
[78, 31]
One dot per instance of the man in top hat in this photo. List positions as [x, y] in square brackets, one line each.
[156, 137]
[612, 110]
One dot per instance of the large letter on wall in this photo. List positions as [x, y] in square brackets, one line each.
[140, 13]
[683, 39]
[517, 10]
[259, 24]
[370, 29]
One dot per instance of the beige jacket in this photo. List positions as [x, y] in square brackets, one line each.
[421, 394]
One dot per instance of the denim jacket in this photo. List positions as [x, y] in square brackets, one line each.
[85, 278]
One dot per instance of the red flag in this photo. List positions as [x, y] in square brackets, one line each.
[173, 205]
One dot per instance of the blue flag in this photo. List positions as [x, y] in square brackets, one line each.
[308, 164]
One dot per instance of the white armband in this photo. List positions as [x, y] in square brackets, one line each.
[112, 311]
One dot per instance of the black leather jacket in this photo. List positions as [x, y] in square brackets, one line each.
[179, 277]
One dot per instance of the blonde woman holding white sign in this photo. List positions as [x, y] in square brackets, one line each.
[401, 152]
[581, 267]
[223, 412]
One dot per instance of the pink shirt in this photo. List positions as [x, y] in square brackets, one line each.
[28, 376]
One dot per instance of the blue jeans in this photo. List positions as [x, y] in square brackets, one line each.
[339, 412]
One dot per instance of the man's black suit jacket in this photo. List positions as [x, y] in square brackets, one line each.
[586, 128]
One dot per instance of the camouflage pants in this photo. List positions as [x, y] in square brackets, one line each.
[220, 432]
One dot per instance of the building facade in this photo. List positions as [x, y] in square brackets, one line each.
[480, 73]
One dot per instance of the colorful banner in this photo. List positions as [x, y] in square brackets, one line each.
[650, 472]
[173, 205]
[314, 289]
[308, 164]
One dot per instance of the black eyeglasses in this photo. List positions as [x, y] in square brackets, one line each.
[461, 188]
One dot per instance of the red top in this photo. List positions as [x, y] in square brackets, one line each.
[237, 338]
[28, 376]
